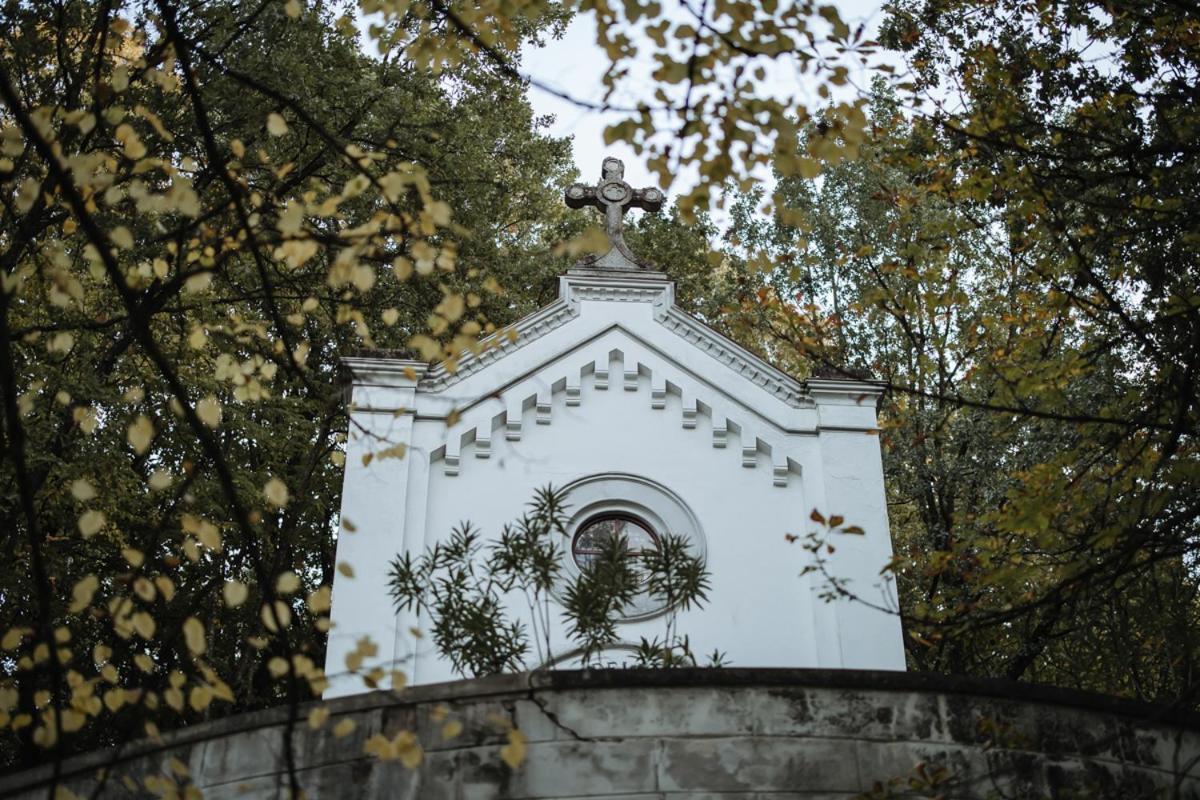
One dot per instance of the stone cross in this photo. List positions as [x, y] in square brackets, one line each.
[613, 196]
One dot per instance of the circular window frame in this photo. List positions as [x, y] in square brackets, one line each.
[628, 519]
[650, 504]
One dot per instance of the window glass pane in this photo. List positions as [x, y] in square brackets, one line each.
[591, 538]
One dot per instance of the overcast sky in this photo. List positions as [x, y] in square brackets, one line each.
[575, 64]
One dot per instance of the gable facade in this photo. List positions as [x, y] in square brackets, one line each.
[640, 410]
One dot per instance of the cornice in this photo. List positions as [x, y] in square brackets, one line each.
[579, 286]
[526, 330]
[839, 386]
[372, 370]
[621, 293]
[737, 358]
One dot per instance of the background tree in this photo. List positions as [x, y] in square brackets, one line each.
[245, 196]
[1075, 125]
[1039, 430]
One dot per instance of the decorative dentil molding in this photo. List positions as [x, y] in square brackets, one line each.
[538, 407]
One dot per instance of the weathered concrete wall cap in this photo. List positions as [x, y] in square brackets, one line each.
[636, 734]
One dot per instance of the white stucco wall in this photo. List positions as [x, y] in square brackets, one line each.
[613, 380]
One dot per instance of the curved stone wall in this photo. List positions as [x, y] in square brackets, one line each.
[636, 735]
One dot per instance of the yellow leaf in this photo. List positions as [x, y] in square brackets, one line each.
[127, 136]
[82, 490]
[202, 529]
[808, 168]
[403, 268]
[287, 582]
[408, 749]
[165, 587]
[143, 623]
[276, 124]
[160, 479]
[193, 634]
[114, 699]
[292, 8]
[209, 411]
[141, 431]
[276, 492]
[292, 218]
[62, 343]
[343, 728]
[277, 666]
[513, 753]
[120, 79]
[198, 282]
[133, 557]
[424, 254]
[451, 730]
[235, 593]
[90, 522]
[81, 595]
[297, 251]
[121, 237]
[452, 307]
[440, 211]
[317, 717]
[12, 639]
[276, 616]
[200, 698]
[86, 417]
[345, 569]
[319, 600]
[379, 746]
[592, 241]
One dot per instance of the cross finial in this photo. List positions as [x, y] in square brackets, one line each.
[612, 195]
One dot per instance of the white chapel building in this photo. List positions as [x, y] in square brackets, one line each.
[653, 421]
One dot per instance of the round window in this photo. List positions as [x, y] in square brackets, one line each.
[597, 533]
[638, 509]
